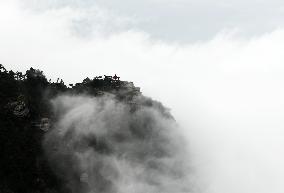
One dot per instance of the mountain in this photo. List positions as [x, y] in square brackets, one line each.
[48, 129]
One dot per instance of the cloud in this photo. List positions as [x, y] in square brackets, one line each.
[225, 92]
[184, 21]
[105, 145]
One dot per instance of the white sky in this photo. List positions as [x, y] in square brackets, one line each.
[217, 65]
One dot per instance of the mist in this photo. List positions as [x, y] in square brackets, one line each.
[100, 144]
[225, 93]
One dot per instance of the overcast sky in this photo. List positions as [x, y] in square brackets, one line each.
[217, 64]
[176, 20]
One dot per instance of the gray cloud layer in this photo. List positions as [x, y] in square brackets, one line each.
[182, 20]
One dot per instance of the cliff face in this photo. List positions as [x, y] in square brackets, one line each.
[58, 138]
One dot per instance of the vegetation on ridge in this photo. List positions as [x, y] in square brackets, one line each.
[24, 118]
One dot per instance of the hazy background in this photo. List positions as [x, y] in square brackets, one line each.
[217, 65]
